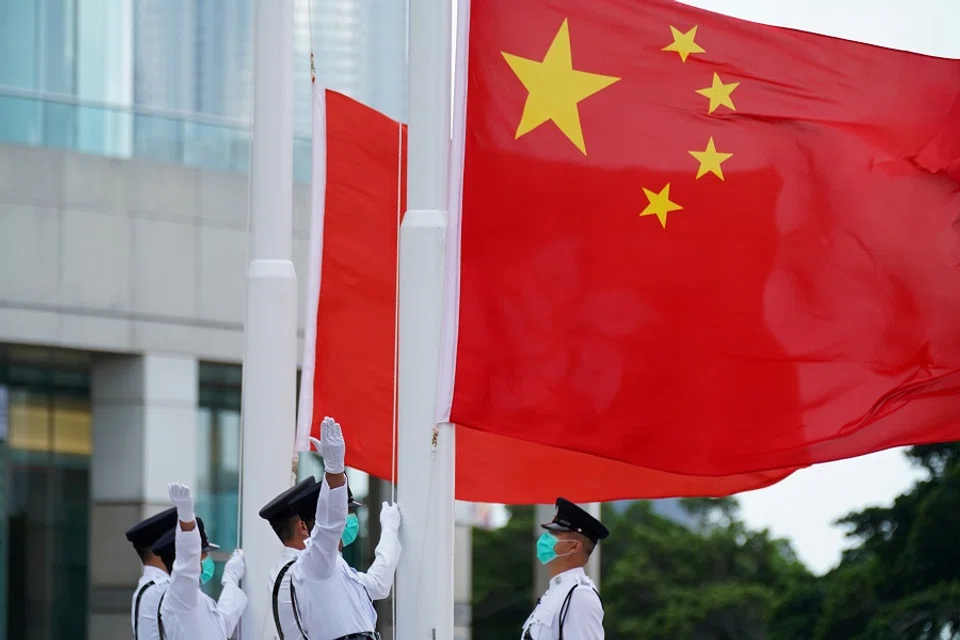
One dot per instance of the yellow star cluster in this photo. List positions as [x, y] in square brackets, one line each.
[710, 160]
[555, 90]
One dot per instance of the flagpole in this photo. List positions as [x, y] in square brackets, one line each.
[425, 584]
[270, 331]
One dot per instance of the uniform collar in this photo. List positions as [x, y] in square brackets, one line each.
[289, 553]
[570, 574]
[153, 573]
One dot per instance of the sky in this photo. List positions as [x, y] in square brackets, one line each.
[803, 507]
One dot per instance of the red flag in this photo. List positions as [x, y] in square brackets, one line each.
[349, 359]
[703, 245]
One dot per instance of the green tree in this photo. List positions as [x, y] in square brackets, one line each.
[902, 579]
[720, 582]
[503, 577]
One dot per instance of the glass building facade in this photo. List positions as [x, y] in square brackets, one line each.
[171, 80]
[45, 447]
[45, 458]
[167, 81]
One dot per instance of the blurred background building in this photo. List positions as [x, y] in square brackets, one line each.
[124, 154]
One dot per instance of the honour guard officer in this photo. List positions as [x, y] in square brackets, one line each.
[186, 613]
[331, 600]
[154, 580]
[571, 608]
[293, 532]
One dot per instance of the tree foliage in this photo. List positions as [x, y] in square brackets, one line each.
[719, 580]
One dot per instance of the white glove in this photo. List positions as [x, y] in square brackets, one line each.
[390, 517]
[331, 446]
[182, 499]
[235, 569]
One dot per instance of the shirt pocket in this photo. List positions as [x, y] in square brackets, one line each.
[539, 625]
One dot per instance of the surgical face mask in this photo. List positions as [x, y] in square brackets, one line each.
[207, 569]
[545, 552]
[352, 530]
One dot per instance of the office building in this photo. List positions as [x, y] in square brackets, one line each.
[124, 149]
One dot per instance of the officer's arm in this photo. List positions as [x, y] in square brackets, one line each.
[184, 590]
[379, 577]
[230, 607]
[319, 559]
[584, 620]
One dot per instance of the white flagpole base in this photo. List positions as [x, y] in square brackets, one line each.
[425, 580]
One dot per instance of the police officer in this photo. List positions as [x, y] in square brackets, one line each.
[293, 533]
[186, 613]
[331, 600]
[571, 608]
[154, 579]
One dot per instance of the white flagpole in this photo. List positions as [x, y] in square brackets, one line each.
[425, 584]
[270, 332]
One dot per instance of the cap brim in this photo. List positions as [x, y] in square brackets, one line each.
[211, 547]
[553, 526]
[353, 504]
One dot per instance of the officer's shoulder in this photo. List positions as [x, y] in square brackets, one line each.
[585, 593]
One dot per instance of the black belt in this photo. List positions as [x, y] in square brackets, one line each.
[366, 635]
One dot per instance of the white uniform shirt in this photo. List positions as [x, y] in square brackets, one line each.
[334, 600]
[288, 623]
[584, 616]
[148, 630]
[187, 612]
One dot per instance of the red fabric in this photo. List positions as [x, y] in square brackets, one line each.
[355, 346]
[802, 309]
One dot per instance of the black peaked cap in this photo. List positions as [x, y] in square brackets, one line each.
[147, 532]
[571, 517]
[165, 547]
[304, 504]
[279, 507]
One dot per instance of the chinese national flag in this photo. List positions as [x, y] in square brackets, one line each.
[703, 245]
[348, 367]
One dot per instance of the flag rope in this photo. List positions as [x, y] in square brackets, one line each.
[394, 431]
[396, 314]
[243, 369]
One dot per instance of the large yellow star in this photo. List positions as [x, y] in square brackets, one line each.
[683, 43]
[660, 204]
[555, 89]
[710, 160]
[719, 94]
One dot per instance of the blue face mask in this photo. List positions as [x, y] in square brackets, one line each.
[207, 569]
[545, 544]
[352, 530]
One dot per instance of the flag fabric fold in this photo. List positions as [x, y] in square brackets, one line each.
[701, 245]
[349, 358]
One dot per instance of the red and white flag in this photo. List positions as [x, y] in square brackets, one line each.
[349, 364]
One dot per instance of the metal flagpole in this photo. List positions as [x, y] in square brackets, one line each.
[425, 584]
[270, 332]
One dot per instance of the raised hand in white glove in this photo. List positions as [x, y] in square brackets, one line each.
[390, 517]
[235, 569]
[331, 446]
[182, 499]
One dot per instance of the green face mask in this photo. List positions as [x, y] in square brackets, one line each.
[207, 569]
[352, 530]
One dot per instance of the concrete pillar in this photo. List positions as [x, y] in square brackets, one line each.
[541, 579]
[463, 577]
[144, 436]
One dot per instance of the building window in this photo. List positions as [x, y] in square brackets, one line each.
[45, 448]
[218, 459]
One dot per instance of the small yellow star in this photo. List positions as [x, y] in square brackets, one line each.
[719, 94]
[555, 89]
[683, 43]
[660, 204]
[710, 160]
